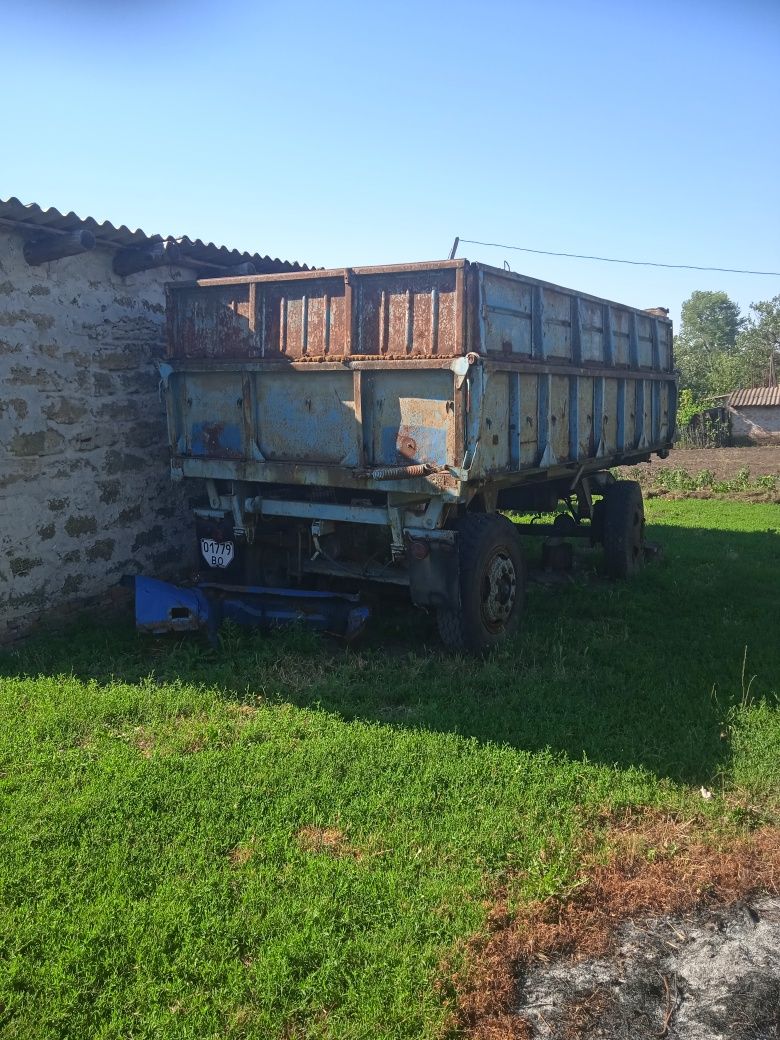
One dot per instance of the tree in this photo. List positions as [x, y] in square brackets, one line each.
[718, 350]
[706, 348]
[759, 344]
[711, 320]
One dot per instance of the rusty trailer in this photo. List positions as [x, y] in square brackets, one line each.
[373, 424]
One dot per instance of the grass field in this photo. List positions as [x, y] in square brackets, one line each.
[292, 839]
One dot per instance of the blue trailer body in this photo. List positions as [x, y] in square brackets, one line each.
[472, 372]
[350, 418]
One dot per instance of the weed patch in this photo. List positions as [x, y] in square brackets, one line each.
[705, 480]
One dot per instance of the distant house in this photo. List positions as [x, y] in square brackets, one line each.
[754, 414]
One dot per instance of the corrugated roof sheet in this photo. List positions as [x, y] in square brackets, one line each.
[756, 397]
[14, 212]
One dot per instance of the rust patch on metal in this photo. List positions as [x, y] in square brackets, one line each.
[212, 442]
[406, 444]
[407, 311]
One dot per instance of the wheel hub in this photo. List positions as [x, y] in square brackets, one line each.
[499, 590]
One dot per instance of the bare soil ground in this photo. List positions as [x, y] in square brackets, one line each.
[709, 975]
[672, 938]
[725, 463]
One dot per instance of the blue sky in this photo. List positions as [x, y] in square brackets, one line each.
[356, 133]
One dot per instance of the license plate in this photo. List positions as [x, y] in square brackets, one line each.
[217, 554]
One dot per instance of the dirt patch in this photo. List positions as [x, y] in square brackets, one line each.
[240, 855]
[144, 740]
[244, 712]
[330, 841]
[189, 734]
[706, 975]
[523, 977]
[725, 463]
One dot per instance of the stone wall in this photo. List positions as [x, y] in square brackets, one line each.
[755, 425]
[85, 492]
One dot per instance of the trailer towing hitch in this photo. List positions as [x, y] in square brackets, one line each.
[162, 607]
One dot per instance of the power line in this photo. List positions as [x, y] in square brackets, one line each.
[612, 260]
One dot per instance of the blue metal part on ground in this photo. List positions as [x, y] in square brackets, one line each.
[162, 607]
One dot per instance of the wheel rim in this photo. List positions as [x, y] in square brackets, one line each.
[499, 590]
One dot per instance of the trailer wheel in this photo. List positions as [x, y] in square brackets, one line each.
[492, 580]
[623, 529]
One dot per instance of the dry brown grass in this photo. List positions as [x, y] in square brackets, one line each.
[144, 741]
[243, 711]
[656, 867]
[240, 855]
[329, 841]
[187, 734]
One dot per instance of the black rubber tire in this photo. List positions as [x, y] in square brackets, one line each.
[492, 585]
[597, 523]
[623, 529]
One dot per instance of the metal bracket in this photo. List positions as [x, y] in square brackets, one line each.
[468, 461]
[431, 518]
[442, 535]
[395, 515]
[239, 526]
[461, 365]
[319, 529]
[211, 490]
[549, 458]
[584, 498]
[166, 371]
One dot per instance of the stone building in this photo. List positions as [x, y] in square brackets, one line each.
[85, 492]
[754, 414]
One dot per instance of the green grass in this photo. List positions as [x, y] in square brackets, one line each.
[131, 769]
